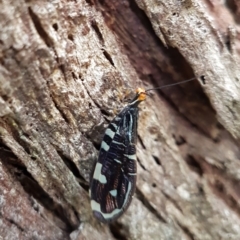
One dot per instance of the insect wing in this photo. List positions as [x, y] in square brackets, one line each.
[114, 178]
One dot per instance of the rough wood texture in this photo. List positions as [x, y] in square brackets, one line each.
[65, 69]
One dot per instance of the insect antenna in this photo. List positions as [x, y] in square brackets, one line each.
[172, 84]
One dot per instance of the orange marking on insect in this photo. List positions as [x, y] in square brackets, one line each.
[141, 94]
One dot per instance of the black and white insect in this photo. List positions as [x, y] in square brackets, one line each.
[114, 177]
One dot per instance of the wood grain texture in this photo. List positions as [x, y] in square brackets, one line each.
[65, 70]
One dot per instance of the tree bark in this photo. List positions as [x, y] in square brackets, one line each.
[66, 68]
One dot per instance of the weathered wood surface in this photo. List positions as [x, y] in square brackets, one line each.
[65, 68]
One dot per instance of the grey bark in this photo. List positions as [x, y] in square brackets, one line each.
[65, 70]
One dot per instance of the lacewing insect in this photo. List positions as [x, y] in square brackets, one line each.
[114, 177]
